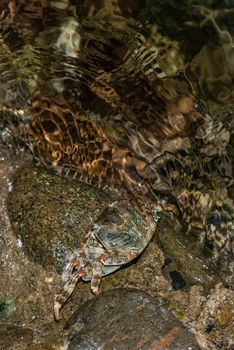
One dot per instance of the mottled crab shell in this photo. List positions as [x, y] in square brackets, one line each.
[124, 230]
[127, 229]
[121, 233]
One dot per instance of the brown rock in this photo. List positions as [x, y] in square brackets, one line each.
[127, 319]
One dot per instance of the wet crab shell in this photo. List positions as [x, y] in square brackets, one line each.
[121, 233]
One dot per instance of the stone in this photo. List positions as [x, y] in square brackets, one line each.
[11, 336]
[186, 256]
[126, 319]
[51, 215]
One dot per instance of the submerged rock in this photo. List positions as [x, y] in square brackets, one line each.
[185, 258]
[12, 337]
[50, 215]
[126, 319]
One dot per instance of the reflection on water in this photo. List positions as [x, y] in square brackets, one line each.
[109, 87]
[46, 44]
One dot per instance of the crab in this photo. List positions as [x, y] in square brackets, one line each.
[121, 233]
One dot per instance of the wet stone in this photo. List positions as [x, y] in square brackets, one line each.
[186, 262]
[13, 336]
[126, 319]
[51, 215]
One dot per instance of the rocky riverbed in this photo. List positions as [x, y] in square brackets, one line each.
[169, 298]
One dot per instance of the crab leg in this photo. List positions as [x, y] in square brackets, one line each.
[96, 277]
[61, 298]
[105, 264]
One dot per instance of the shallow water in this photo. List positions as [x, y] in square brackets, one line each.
[141, 79]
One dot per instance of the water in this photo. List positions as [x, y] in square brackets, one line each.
[44, 45]
[116, 92]
[123, 92]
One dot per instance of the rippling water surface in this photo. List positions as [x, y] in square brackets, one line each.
[47, 44]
